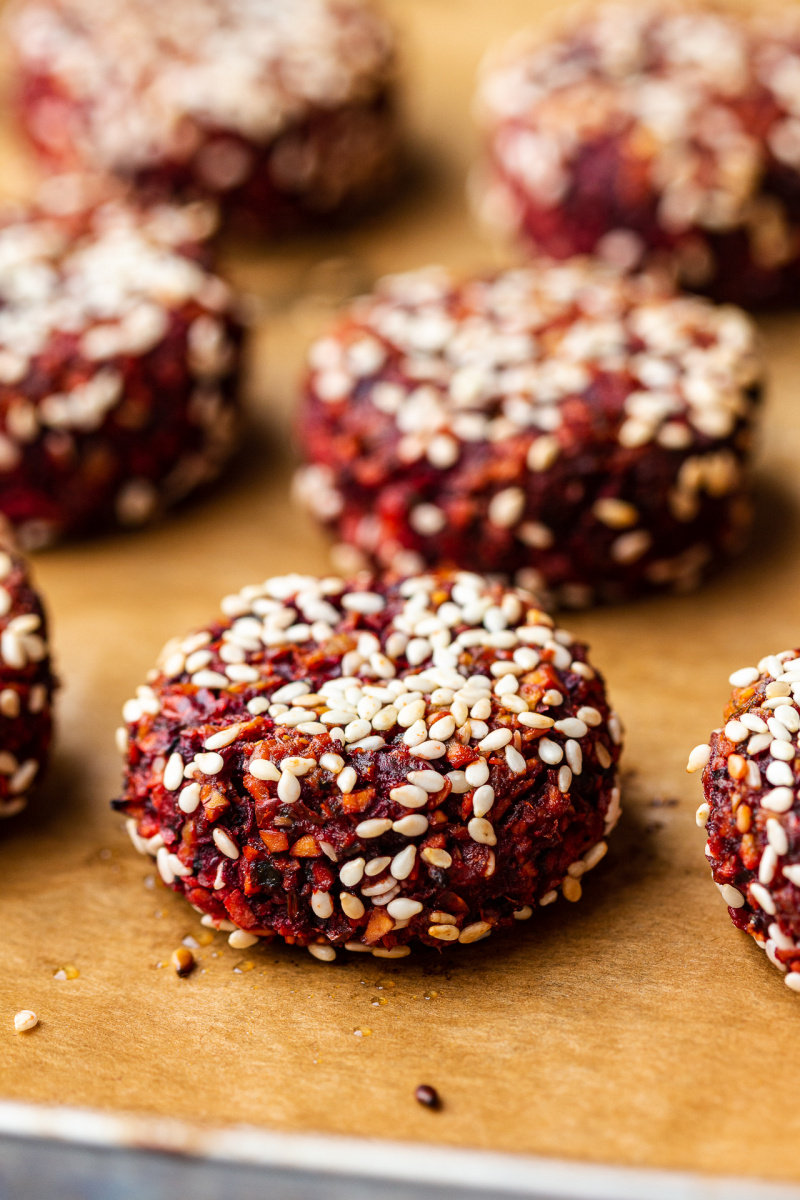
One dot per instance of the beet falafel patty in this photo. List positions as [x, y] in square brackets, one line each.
[751, 811]
[373, 763]
[280, 109]
[657, 131]
[26, 680]
[118, 367]
[585, 432]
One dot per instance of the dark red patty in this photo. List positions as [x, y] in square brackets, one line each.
[342, 815]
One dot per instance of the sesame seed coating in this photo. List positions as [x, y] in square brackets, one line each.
[661, 132]
[751, 811]
[27, 682]
[283, 110]
[586, 432]
[327, 835]
[118, 365]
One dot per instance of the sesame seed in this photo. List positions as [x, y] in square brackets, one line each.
[571, 889]
[346, 780]
[495, 740]
[515, 760]
[762, 898]
[366, 603]
[430, 750]
[225, 843]
[480, 830]
[289, 788]
[373, 828]
[776, 836]
[731, 895]
[173, 773]
[352, 872]
[571, 727]
[779, 800]
[550, 752]
[240, 939]
[322, 953]
[482, 800]
[443, 933]
[262, 768]
[209, 764]
[698, 758]
[25, 1020]
[536, 720]
[744, 677]
[224, 738]
[430, 781]
[332, 762]
[189, 799]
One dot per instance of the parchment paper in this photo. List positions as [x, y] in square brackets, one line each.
[636, 1027]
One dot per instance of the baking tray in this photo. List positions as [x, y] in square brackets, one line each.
[637, 1029]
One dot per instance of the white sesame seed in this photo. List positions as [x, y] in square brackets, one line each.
[744, 677]
[443, 933]
[430, 781]
[482, 800]
[574, 756]
[550, 752]
[373, 828]
[431, 750]
[477, 773]
[474, 933]
[411, 826]
[436, 858]
[323, 953]
[780, 774]
[480, 830]
[189, 799]
[698, 758]
[332, 762]
[507, 507]
[442, 729]
[346, 780]
[376, 866]
[409, 796]
[262, 768]
[173, 773]
[226, 844]
[209, 764]
[289, 788]
[367, 603]
[536, 720]
[768, 866]
[515, 760]
[495, 740]
[209, 679]
[762, 898]
[223, 738]
[352, 872]
[788, 716]
[352, 906]
[779, 800]
[403, 863]
[572, 727]
[776, 836]
[322, 905]
[402, 909]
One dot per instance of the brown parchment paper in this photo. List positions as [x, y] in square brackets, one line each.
[636, 1027]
